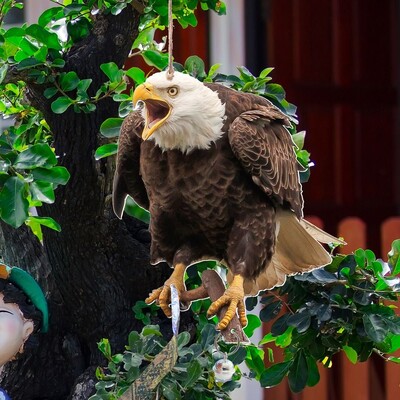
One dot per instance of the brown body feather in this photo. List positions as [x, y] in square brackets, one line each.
[222, 202]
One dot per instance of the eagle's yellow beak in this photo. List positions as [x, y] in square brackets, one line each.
[157, 109]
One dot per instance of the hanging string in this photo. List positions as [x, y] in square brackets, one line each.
[170, 71]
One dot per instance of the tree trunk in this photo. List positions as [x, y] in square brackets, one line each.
[98, 266]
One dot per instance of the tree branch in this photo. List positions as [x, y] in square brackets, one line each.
[213, 287]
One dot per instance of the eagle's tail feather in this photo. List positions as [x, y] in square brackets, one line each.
[297, 250]
[319, 234]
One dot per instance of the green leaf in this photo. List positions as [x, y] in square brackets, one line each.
[256, 360]
[106, 150]
[394, 343]
[324, 312]
[135, 342]
[238, 356]
[253, 322]
[36, 228]
[151, 330]
[207, 335]
[83, 86]
[280, 325]
[301, 321]
[42, 191]
[112, 71]
[351, 354]
[273, 375]
[183, 339]
[111, 127]
[268, 338]
[155, 59]
[132, 360]
[28, 63]
[43, 36]
[170, 391]
[56, 175]
[245, 74]
[73, 8]
[118, 8]
[69, 81]
[194, 372]
[105, 347]
[61, 104]
[359, 256]
[285, 339]
[375, 327]
[134, 210]
[50, 92]
[49, 15]
[136, 74]
[38, 155]
[213, 70]
[393, 257]
[58, 63]
[48, 222]
[298, 139]
[275, 90]
[35, 223]
[41, 54]
[265, 72]
[3, 72]
[195, 66]
[298, 373]
[78, 28]
[270, 311]
[313, 373]
[13, 203]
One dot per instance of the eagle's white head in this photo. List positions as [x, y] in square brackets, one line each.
[181, 113]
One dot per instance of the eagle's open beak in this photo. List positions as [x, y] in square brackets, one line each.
[157, 109]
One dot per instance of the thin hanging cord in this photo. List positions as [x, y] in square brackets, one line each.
[170, 71]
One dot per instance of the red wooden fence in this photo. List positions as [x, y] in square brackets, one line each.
[371, 380]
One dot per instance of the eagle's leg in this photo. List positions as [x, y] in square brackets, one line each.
[162, 295]
[234, 298]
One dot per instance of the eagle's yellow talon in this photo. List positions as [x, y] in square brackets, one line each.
[242, 314]
[233, 297]
[153, 296]
[162, 295]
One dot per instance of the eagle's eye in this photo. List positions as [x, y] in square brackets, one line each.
[172, 91]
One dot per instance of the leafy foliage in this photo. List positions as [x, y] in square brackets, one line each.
[344, 307]
[191, 377]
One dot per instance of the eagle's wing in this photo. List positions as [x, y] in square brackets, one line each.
[127, 178]
[264, 147]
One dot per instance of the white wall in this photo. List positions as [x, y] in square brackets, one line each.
[227, 37]
[33, 9]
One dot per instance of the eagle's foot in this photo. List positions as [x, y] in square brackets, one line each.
[162, 295]
[234, 299]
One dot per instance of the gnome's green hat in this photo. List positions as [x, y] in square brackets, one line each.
[30, 287]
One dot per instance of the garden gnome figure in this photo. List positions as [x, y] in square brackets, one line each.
[23, 311]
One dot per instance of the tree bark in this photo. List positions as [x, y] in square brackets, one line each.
[97, 267]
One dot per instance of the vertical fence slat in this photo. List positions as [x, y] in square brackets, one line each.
[354, 232]
[282, 390]
[321, 390]
[390, 230]
[354, 378]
